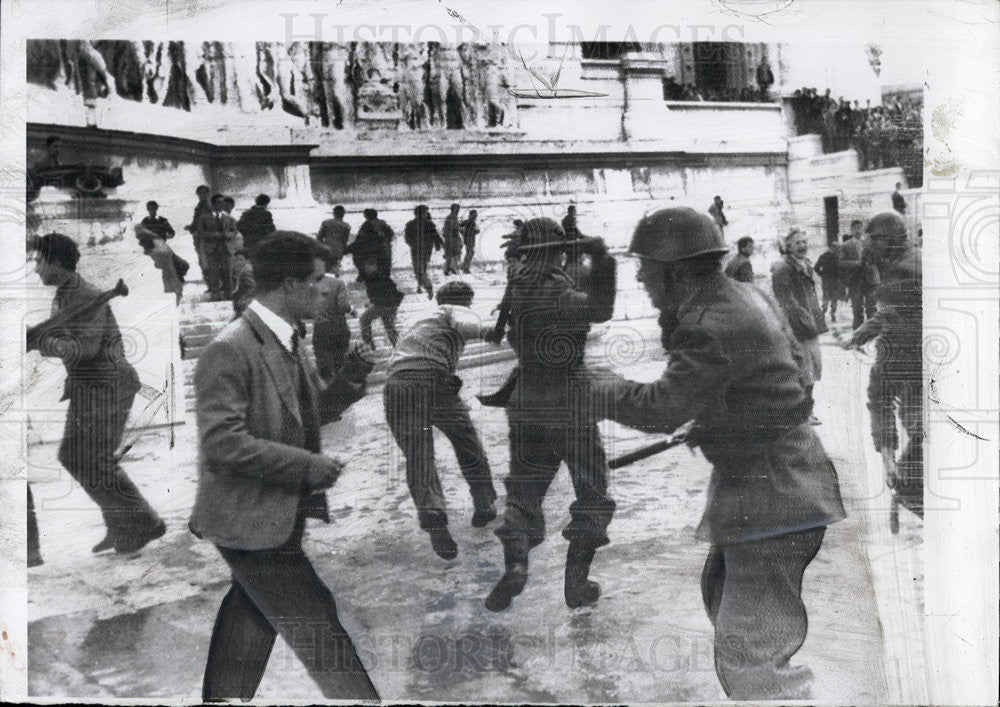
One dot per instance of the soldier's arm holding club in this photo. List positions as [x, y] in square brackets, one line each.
[695, 373]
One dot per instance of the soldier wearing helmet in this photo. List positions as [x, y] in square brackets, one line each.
[896, 380]
[736, 370]
[548, 409]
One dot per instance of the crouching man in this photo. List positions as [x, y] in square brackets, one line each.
[421, 393]
[736, 370]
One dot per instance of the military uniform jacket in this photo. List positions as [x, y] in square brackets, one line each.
[736, 369]
[549, 322]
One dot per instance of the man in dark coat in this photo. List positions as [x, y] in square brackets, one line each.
[262, 473]
[202, 208]
[896, 381]
[794, 288]
[421, 235]
[101, 386]
[470, 229]
[827, 267]
[256, 222]
[549, 411]
[856, 275]
[740, 268]
[735, 370]
[334, 233]
[372, 249]
[715, 211]
[452, 237]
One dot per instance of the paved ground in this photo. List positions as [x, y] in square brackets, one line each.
[111, 627]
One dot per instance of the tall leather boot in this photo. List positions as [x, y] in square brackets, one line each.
[515, 557]
[578, 590]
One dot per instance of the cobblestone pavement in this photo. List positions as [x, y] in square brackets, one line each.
[104, 626]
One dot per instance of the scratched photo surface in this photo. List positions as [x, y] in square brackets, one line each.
[272, 448]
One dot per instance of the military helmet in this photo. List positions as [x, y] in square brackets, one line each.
[887, 223]
[540, 231]
[675, 234]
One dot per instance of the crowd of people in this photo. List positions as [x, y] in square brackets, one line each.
[887, 135]
[260, 404]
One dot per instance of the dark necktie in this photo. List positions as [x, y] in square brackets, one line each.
[310, 425]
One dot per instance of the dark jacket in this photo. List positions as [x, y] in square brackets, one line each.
[422, 236]
[255, 223]
[150, 228]
[372, 249]
[252, 461]
[740, 269]
[795, 291]
[899, 325]
[735, 369]
[334, 235]
[549, 321]
[828, 267]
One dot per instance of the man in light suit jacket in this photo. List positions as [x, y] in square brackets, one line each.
[260, 405]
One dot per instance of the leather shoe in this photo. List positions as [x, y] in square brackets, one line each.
[443, 543]
[107, 544]
[483, 515]
[140, 539]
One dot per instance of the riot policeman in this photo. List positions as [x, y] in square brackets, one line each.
[896, 380]
[735, 369]
[549, 412]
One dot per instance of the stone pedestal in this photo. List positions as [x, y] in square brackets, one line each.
[645, 115]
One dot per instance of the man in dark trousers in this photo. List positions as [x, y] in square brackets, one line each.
[218, 234]
[896, 381]
[259, 406]
[549, 411]
[452, 241]
[855, 275]
[735, 370]
[469, 229]
[256, 222]
[372, 249]
[101, 386]
[740, 268]
[715, 211]
[421, 392]
[334, 233]
[828, 268]
[202, 208]
[422, 237]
